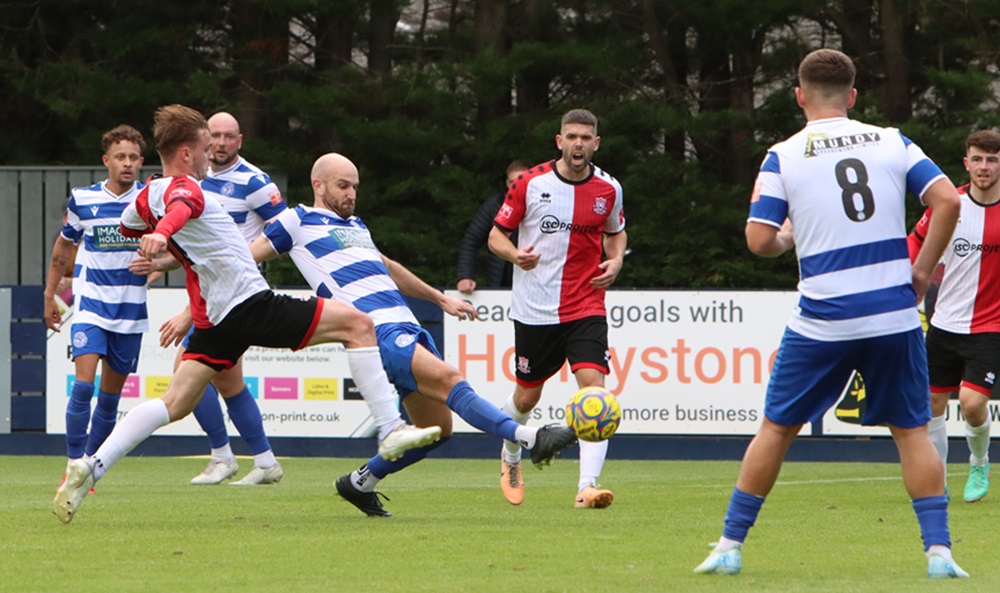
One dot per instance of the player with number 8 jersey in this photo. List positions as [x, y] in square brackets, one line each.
[835, 192]
[854, 277]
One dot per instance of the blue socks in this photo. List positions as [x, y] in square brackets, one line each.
[245, 414]
[78, 418]
[381, 468]
[104, 419]
[208, 413]
[480, 413]
[932, 514]
[741, 514]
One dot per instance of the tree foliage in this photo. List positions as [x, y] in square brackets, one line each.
[432, 98]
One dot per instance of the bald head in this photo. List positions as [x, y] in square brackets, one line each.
[335, 183]
[226, 140]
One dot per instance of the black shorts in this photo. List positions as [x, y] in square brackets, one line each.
[265, 319]
[962, 360]
[541, 350]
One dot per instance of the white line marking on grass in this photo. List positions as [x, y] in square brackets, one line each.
[811, 482]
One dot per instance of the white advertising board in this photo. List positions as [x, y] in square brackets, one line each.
[307, 393]
[682, 362]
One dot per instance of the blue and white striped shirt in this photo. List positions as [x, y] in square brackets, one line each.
[247, 194]
[339, 260]
[105, 293]
[843, 185]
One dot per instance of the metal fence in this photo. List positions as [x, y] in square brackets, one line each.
[33, 200]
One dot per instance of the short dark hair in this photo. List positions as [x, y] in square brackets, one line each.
[579, 116]
[986, 140]
[122, 132]
[517, 165]
[174, 126]
[827, 69]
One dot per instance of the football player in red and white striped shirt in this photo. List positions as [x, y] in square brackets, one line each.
[568, 213]
[963, 340]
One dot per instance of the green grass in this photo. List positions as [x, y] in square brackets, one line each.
[826, 527]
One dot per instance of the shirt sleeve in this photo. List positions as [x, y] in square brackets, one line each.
[921, 172]
[265, 198]
[616, 219]
[915, 240]
[183, 201]
[768, 203]
[73, 229]
[514, 205]
[132, 224]
[278, 235]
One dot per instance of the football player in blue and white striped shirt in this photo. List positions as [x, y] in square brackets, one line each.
[835, 193]
[110, 301]
[338, 258]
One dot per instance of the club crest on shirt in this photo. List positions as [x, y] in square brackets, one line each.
[523, 366]
[600, 206]
[404, 340]
[79, 340]
[228, 189]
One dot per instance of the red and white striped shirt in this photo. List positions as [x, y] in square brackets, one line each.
[201, 235]
[969, 299]
[566, 222]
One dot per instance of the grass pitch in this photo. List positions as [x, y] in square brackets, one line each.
[825, 527]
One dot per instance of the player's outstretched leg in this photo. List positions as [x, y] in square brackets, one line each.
[405, 437]
[550, 440]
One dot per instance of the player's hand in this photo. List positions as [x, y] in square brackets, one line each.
[526, 258]
[466, 285]
[173, 330]
[786, 235]
[152, 245]
[458, 308]
[921, 282]
[53, 318]
[141, 266]
[609, 271]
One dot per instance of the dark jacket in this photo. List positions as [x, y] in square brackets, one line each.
[499, 272]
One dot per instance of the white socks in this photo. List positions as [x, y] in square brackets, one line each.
[366, 370]
[512, 451]
[265, 460]
[938, 431]
[592, 457]
[364, 480]
[978, 438]
[131, 430]
[223, 453]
